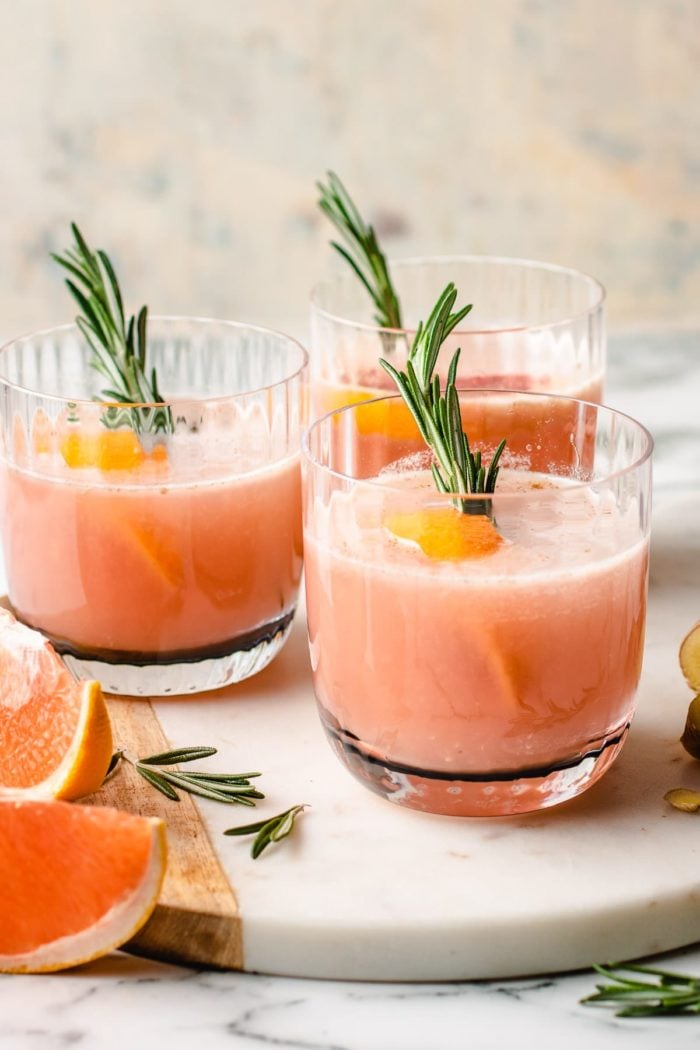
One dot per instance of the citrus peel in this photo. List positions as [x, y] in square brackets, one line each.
[444, 534]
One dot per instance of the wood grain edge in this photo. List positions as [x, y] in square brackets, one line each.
[197, 919]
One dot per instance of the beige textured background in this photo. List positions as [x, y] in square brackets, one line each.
[186, 137]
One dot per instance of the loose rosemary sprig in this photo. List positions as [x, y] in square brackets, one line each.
[274, 829]
[118, 347]
[669, 994]
[362, 252]
[456, 468]
[231, 788]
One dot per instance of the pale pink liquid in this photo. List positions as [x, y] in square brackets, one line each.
[152, 568]
[521, 659]
[328, 395]
[521, 419]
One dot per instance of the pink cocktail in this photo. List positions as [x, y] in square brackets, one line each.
[469, 668]
[156, 562]
[534, 327]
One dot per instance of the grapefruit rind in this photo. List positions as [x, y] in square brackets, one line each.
[119, 925]
[84, 764]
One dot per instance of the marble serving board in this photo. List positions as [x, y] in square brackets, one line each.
[367, 890]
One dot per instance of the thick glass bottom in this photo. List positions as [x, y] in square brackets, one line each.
[488, 794]
[182, 672]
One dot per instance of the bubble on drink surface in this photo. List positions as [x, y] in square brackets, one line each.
[413, 463]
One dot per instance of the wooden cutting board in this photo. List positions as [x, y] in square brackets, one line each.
[196, 919]
[367, 890]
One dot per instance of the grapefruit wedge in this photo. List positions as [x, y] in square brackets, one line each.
[55, 736]
[76, 882]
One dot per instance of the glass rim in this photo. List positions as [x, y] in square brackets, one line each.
[471, 393]
[496, 260]
[240, 326]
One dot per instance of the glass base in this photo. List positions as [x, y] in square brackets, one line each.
[177, 674]
[459, 794]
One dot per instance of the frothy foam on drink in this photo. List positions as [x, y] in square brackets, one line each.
[549, 526]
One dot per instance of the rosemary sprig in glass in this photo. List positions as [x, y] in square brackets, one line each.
[361, 250]
[669, 994]
[118, 347]
[456, 468]
[274, 829]
[231, 788]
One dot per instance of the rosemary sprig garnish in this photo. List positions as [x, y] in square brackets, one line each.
[456, 468]
[669, 994]
[118, 347]
[362, 252]
[231, 788]
[274, 829]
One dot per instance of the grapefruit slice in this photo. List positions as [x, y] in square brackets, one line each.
[446, 535]
[107, 450]
[76, 881]
[55, 735]
[389, 417]
[160, 552]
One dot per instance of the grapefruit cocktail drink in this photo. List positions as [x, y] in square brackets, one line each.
[156, 559]
[484, 658]
[533, 327]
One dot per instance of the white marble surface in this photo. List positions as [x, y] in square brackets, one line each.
[366, 890]
[656, 377]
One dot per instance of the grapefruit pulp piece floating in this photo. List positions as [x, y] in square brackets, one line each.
[55, 736]
[446, 535]
[108, 450]
[76, 881]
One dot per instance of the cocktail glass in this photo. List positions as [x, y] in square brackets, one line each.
[533, 327]
[159, 561]
[478, 663]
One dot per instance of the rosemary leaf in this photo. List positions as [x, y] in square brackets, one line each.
[261, 842]
[356, 267]
[285, 825]
[157, 781]
[266, 831]
[247, 829]
[113, 285]
[94, 286]
[228, 778]
[197, 788]
[229, 788]
[182, 754]
[361, 250]
[669, 994]
[232, 790]
[457, 469]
